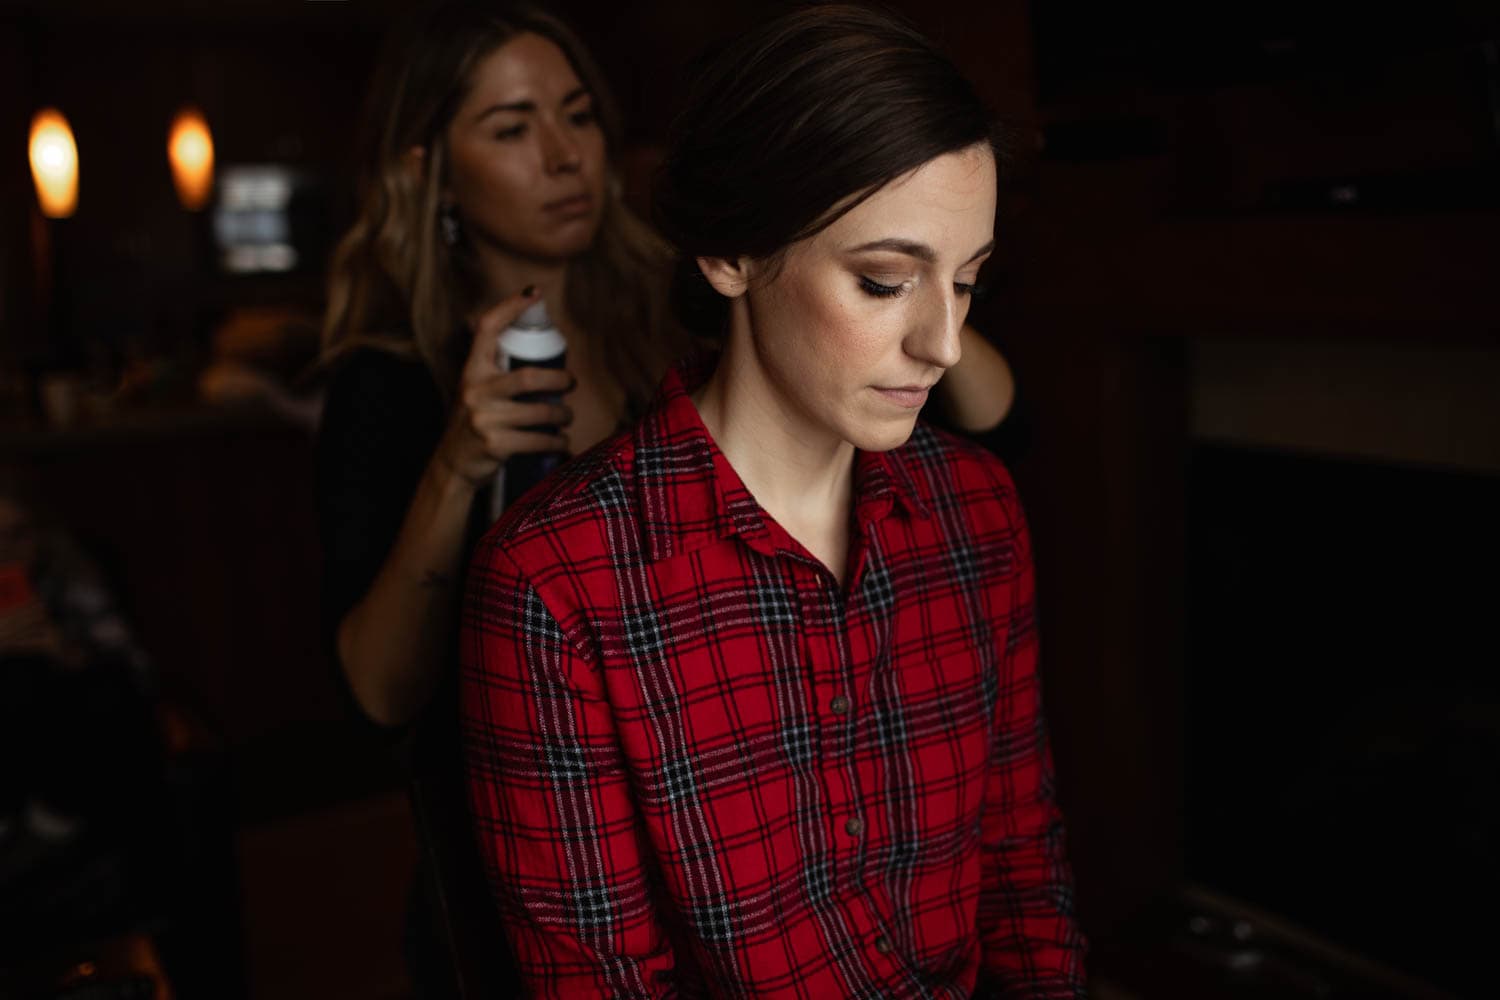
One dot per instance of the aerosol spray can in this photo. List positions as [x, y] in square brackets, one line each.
[531, 341]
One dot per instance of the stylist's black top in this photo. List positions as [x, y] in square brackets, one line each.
[382, 418]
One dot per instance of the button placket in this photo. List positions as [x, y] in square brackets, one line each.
[825, 651]
[840, 706]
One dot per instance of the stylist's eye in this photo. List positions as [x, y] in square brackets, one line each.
[875, 288]
[514, 132]
[973, 290]
[583, 118]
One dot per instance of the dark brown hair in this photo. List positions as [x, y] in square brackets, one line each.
[793, 124]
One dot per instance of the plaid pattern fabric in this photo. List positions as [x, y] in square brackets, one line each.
[700, 767]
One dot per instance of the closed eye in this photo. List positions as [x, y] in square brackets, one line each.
[875, 288]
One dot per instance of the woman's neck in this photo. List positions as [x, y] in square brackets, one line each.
[801, 474]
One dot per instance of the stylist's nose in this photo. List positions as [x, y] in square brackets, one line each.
[934, 336]
[559, 151]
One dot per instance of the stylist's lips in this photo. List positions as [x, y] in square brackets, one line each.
[909, 396]
[570, 207]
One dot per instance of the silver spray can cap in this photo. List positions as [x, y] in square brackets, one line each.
[531, 338]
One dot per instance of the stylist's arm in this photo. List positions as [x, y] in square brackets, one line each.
[394, 642]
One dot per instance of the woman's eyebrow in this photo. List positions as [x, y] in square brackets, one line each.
[982, 251]
[530, 105]
[893, 244]
[912, 248]
[527, 105]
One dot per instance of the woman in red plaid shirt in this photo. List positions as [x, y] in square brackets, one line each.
[749, 692]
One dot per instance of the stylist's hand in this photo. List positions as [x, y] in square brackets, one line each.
[486, 424]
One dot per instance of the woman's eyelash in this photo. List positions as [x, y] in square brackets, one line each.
[878, 290]
[578, 118]
[974, 290]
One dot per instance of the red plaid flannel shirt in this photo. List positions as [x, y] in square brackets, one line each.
[700, 767]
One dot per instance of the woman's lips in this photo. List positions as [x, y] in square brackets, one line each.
[569, 207]
[908, 396]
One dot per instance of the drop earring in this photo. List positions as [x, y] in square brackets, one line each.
[448, 225]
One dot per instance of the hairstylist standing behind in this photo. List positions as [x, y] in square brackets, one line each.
[488, 188]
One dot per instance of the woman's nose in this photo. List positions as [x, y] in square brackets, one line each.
[934, 338]
[560, 153]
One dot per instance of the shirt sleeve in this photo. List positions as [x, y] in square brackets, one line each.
[1032, 946]
[555, 819]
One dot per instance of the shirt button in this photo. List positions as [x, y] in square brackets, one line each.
[839, 704]
[855, 826]
[883, 945]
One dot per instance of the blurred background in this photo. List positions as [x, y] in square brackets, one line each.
[1247, 279]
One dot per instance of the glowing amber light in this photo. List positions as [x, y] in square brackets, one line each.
[190, 149]
[54, 164]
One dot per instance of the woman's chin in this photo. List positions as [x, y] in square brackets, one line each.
[892, 435]
[569, 238]
[562, 243]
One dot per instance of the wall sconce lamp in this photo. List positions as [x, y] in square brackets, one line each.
[54, 164]
[190, 149]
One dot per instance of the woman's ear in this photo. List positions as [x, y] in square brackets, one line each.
[730, 276]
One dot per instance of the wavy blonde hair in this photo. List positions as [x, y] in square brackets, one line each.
[395, 285]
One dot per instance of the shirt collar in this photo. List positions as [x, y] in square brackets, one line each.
[690, 496]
